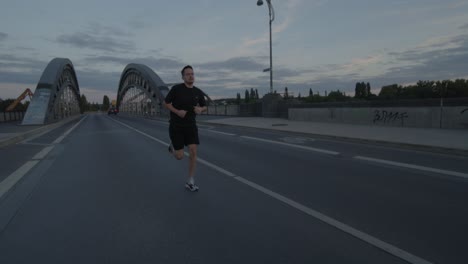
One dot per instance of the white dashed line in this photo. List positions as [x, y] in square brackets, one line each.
[219, 132]
[13, 178]
[324, 151]
[326, 219]
[43, 153]
[415, 167]
[59, 139]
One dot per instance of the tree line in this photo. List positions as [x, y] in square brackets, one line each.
[21, 107]
[86, 106]
[363, 91]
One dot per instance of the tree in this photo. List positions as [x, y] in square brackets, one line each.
[310, 92]
[362, 90]
[390, 91]
[256, 94]
[286, 93]
[247, 97]
[368, 90]
[357, 91]
[334, 96]
[105, 103]
[299, 96]
[84, 105]
[238, 99]
[252, 94]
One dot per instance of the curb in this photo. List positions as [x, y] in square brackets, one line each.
[42, 129]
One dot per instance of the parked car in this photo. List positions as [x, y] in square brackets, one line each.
[113, 111]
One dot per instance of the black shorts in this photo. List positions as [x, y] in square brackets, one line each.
[183, 135]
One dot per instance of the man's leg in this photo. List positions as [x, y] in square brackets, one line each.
[179, 154]
[177, 142]
[192, 160]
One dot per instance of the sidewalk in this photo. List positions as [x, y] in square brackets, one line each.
[450, 140]
[14, 132]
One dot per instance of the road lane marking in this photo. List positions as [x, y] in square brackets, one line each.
[329, 152]
[218, 132]
[13, 178]
[395, 251]
[59, 139]
[416, 167]
[339, 225]
[43, 153]
[141, 132]
[34, 144]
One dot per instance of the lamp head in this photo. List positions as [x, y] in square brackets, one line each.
[259, 2]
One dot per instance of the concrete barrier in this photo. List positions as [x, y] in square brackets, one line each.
[425, 117]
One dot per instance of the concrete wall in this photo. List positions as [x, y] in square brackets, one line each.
[426, 117]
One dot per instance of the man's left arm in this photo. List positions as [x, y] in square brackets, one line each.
[201, 107]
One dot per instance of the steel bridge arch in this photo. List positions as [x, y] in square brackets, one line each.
[142, 83]
[57, 94]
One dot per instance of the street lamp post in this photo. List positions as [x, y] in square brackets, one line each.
[272, 17]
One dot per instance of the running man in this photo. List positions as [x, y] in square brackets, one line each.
[185, 101]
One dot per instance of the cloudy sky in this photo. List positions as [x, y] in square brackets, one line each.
[320, 44]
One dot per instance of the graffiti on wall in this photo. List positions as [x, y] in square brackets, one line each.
[388, 117]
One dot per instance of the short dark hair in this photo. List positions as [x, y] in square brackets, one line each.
[186, 67]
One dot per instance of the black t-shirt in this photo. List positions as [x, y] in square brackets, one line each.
[185, 98]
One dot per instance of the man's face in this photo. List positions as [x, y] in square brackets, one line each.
[188, 76]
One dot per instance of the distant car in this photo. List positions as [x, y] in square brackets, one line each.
[113, 111]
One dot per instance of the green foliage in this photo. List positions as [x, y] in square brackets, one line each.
[84, 105]
[238, 99]
[426, 89]
[20, 107]
[105, 103]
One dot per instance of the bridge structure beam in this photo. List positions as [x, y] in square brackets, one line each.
[141, 91]
[57, 94]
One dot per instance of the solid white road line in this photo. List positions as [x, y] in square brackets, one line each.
[324, 151]
[59, 139]
[218, 132]
[326, 219]
[415, 167]
[13, 178]
[43, 153]
[143, 133]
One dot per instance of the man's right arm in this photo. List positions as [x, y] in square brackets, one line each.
[180, 113]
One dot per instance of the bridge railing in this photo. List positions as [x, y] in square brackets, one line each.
[11, 116]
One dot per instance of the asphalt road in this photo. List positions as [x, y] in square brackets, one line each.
[109, 192]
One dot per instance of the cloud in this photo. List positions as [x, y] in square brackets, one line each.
[96, 28]
[241, 64]
[14, 69]
[98, 80]
[95, 41]
[464, 26]
[3, 36]
[157, 64]
[291, 7]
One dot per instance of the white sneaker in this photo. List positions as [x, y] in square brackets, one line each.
[191, 187]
